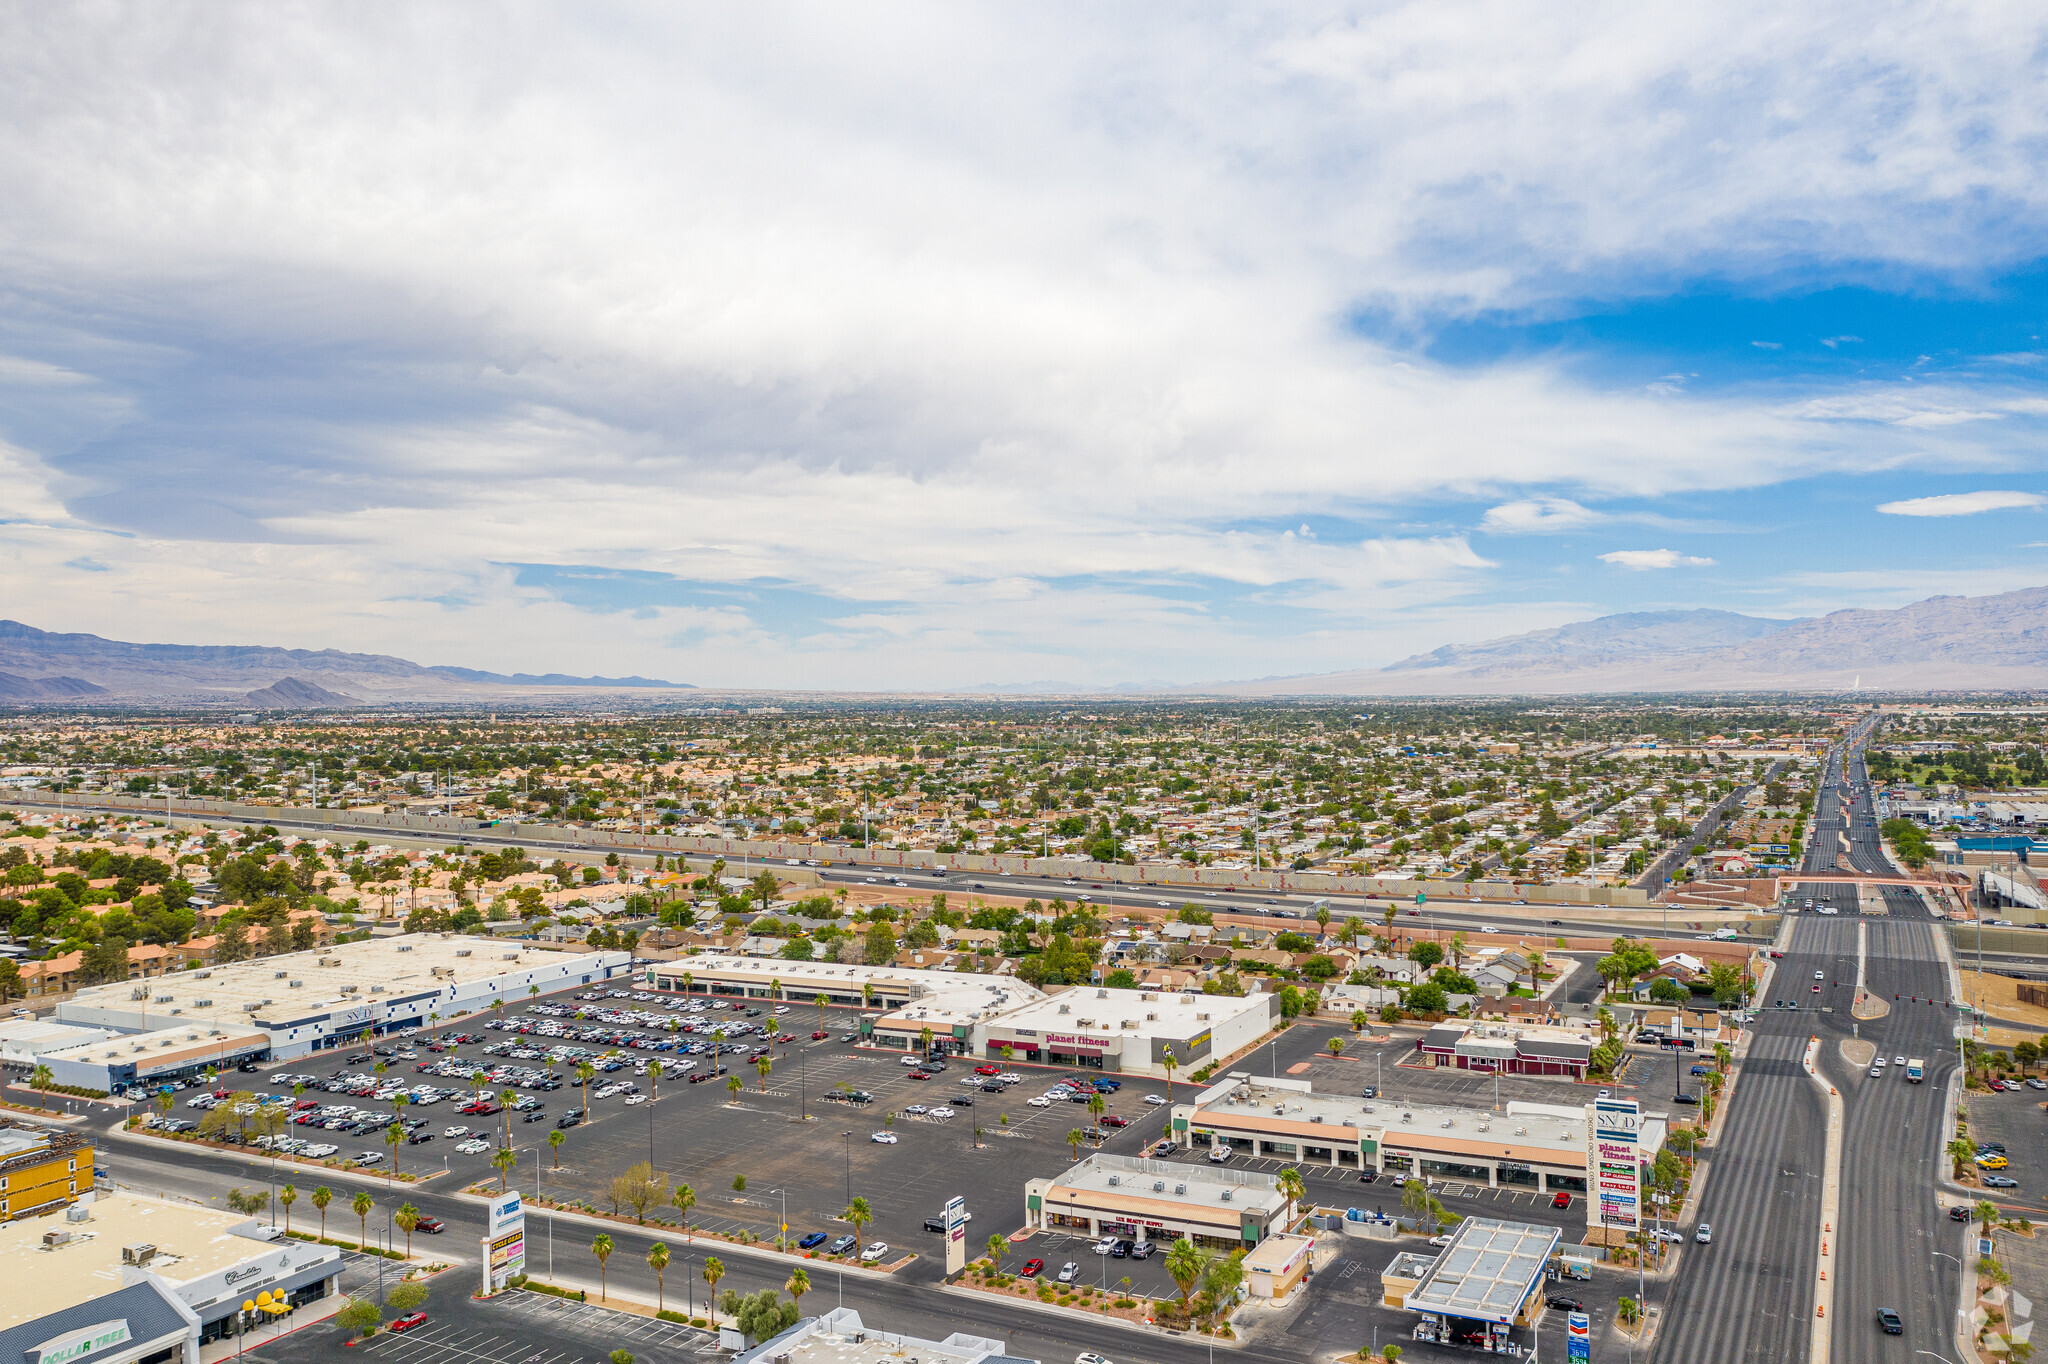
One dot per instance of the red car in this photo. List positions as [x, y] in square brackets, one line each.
[920, 1075]
[988, 1070]
[1112, 1120]
[1998, 1086]
[1031, 1268]
[818, 1036]
[409, 1320]
[1562, 1200]
[433, 1226]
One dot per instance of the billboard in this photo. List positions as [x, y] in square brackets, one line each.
[1616, 1163]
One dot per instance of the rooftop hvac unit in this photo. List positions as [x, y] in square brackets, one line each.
[462, 951]
[1151, 1018]
[203, 974]
[1521, 1131]
[1486, 1127]
[251, 1008]
[1316, 1118]
[1158, 1186]
[78, 1212]
[139, 992]
[1407, 1117]
[202, 1004]
[1180, 1188]
[1368, 1108]
[405, 947]
[279, 975]
[508, 956]
[1225, 1195]
[53, 1239]
[163, 999]
[297, 984]
[1064, 1009]
[1115, 1180]
[1448, 1122]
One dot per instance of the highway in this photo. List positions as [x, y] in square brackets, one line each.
[1751, 1294]
[1451, 915]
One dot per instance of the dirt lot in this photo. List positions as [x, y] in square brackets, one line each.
[1999, 995]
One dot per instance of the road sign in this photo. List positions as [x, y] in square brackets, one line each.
[1421, 898]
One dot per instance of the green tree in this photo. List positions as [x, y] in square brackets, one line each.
[555, 1140]
[360, 1317]
[1185, 1265]
[997, 1244]
[406, 1219]
[1419, 1203]
[1222, 1280]
[657, 1260]
[40, 1080]
[1425, 954]
[504, 1158]
[685, 1198]
[288, 1195]
[733, 1087]
[798, 1284]
[602, 1248]
[362, 1204]
[1336, 1046]
[1292, 1189]
[860, 1215]
[713, 1272]
[1074, 1140]
[322, 1196]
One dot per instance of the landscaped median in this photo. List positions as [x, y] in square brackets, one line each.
[744, 1242]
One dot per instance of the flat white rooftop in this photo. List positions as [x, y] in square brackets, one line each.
[190, 1242]
[1145, 1013]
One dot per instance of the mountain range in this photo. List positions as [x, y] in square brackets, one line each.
[1943, 643]
[40, 666]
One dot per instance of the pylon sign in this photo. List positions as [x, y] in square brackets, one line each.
[1578, 1337]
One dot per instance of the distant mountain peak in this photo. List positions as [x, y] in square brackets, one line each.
[292, 693]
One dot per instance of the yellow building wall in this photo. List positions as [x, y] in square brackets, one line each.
[59, 1178]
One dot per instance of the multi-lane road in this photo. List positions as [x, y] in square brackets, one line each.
[1751, 1295]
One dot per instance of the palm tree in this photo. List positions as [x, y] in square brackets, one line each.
[555, 1140]
[1074, 1140]
[860, 1214]
[713, 1272]
[1170, 1064]
[654, 1078]
[685, 1198]
[584, 1073]
[657, 1260]
[394, 1137]
[362, 1204]
[1095, 1107]
[924, 1041]
[867, 994]
[602, 1249]
[504, 1158]
[1184, 1265]
[288, 1195]
[821, 1003]
[433, 1017]
[685, 977]
[1292, 1187]
[733, 1088]
[764, 1065]
[322, 1196]
[798, 1285]
[39, 1079]
[406, 1218]
[505, 1101]
[1959, 1151]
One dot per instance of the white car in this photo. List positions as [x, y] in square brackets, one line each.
[1090, 1357]
[1155, 1099]
[942, 1112]
[915, 1108]
[1820, 975]
[455, 1131]
[1040, 1102]
[632, 1099]
[1069, 1272]
[1105, 1245]
[883, 1138]
[369, 1157]
[321, 1151]
[872, 1253]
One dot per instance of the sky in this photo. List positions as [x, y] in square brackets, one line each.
[941, 346]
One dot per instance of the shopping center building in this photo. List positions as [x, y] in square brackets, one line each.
[284, 1007]
[122, 1279]
[1131, 1032]
[1158, 1200]
[1546, 1147]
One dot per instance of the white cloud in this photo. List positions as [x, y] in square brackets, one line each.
[1641, 559]
[1034, 298]
[1961, 504]
[1539, 516]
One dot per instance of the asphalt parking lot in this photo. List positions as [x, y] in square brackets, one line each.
[2016, 1121]
[513, 1328]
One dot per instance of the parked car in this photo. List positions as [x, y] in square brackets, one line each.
[1105, 1245]
[408, 1321]
[883, 1138]
[841, 1244]
[816, 1238]
[2000, 1182]
[871, 1254]
[1561, 1199]
[1559, 1300]
[1069, 1272]
[1031, 1269]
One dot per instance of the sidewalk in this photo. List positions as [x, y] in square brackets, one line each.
[312, 1314]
